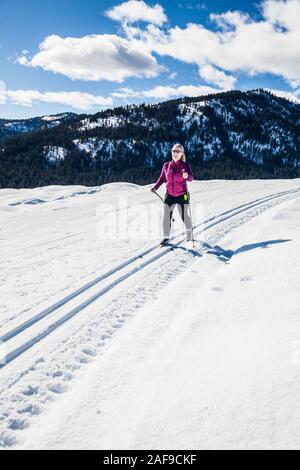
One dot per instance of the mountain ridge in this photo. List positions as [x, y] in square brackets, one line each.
[231, 134]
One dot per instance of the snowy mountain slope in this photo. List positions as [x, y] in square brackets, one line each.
[9, 127]
[255, 124]
[62, 253]
[234, 135]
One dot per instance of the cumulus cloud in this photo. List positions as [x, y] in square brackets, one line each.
[23, 60]
[241, 44]
[183, 90]
[125, 93]
[136, 10]
[230, 19]
[286, 94]
[95, 57]
[237, 43]
[282, 12]
[162, 92]
[75, 99]
[212, 75]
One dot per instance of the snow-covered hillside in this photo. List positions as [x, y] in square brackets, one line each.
[234, 134]
[256, 125]
[9, 127]
[114, 343]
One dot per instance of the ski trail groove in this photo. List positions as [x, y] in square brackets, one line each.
[12, 333]
[15, 350]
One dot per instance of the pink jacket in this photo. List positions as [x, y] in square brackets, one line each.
[172, 175]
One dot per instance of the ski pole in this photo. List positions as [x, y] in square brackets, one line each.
[191, 220]
[172, 218]
[158, 195]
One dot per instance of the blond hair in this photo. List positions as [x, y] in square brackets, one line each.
[181, 147]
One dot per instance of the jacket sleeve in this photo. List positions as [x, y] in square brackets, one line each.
[162, 179]
[190, 173]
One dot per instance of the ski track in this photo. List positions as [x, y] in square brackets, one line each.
[59, 260]
[160, 252]
[54, 371]
[67, 259]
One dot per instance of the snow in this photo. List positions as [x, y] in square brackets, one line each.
[190, 114]
[110, 121]
[117, 121]
[27, 125]
[55, 153]
[94, 146]
[184, 349]
[18, 127]
[87, 146]
[221, 111]
[54, 117]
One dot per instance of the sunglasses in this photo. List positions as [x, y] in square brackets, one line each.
[177, 151]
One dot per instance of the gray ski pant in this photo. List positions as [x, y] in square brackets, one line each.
[183, 207]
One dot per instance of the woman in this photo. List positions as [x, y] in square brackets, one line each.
[175, 174]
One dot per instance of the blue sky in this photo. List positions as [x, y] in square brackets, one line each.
[83, 56]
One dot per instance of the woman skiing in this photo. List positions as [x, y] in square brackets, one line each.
[175, 174]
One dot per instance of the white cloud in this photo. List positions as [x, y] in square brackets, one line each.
[75, 99]
[136, 10]
[212, 75]
[283, 13]
[2, 92]
[230, 19]
[95, 57]
[22, 60]
[295, 83]
[285, 94]
[173, 75]
[89, 102]
[183, 90]
[242, 44]
[163, 92]
[125, 93]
